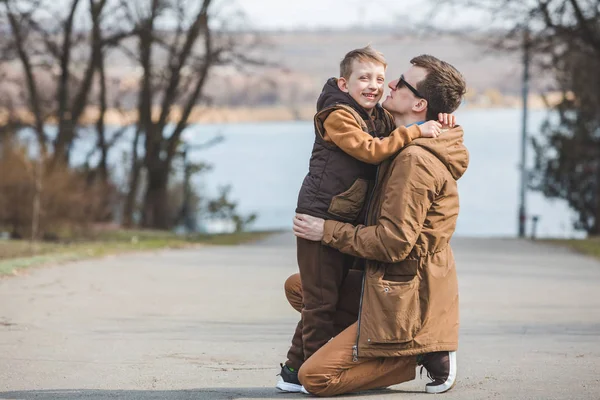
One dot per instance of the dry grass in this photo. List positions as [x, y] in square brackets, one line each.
[17, 254]
[589, 246]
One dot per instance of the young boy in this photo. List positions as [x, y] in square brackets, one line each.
[353, 134]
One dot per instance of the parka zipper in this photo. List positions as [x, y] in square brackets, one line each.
[355, 347]
[362, 289]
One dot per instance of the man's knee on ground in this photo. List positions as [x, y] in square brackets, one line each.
[293, 291]
[315, 381]
[310, 379]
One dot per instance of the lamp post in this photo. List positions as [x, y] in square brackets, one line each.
[522, 217]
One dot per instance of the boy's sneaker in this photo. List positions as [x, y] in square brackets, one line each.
[441, 369]
[288, 380]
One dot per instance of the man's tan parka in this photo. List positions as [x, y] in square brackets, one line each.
[409, 300]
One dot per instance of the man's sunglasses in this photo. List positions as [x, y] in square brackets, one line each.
[410, 87]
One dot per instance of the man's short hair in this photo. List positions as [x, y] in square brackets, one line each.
[365, 54]
[443, 87]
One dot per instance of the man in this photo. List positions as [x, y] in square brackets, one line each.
[409, 295]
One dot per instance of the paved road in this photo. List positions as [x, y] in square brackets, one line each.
[213, 323]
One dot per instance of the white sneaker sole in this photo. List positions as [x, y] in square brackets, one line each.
[288, 387]
[449, 384]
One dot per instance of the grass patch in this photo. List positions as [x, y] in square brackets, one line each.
[590, 246]
[18, 254]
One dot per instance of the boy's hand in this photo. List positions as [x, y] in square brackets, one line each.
[430, 129]
[447, 120]
[309, 227]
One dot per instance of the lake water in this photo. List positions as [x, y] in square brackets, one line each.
[266, 162]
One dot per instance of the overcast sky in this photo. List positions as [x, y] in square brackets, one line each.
[281, 14]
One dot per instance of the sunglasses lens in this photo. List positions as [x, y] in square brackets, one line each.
[402, 82]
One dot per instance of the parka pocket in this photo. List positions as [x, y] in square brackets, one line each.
[394, 314]
[347, 205]
[402, 271]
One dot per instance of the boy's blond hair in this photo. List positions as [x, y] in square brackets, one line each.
[365, 54]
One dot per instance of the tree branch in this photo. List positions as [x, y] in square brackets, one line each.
[34, 99]
[208, 62]
[589, 35]
[200, 22]
[65, 57]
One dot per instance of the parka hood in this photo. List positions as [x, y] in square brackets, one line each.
[449, 149]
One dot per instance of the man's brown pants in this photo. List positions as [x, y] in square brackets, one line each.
[322, 271]
[331, 371]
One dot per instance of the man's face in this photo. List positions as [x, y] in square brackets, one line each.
[365, 84]
[401, 100]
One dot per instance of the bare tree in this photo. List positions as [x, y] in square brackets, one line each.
[169, 92]
[59, 60]
[62, 51]
[48, 45]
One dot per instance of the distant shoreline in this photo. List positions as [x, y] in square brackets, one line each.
[275, 113]
[215, 115]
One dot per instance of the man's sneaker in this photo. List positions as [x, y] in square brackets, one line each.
[441, 369]
[288, 380]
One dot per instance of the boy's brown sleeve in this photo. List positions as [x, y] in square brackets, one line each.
[343, 130]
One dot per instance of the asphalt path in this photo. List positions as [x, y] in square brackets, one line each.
[213, 323]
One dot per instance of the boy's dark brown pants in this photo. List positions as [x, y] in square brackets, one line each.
[322, 272]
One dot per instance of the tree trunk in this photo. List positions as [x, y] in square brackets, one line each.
[155, 213]
[596, 228]
[103, 164]
[62, 145]
[134, 182]
[36, 211]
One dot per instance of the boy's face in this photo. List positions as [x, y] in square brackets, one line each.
[365, 84]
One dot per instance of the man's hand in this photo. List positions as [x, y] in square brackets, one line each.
[430, 129]
[447, 120]
[308, 227]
